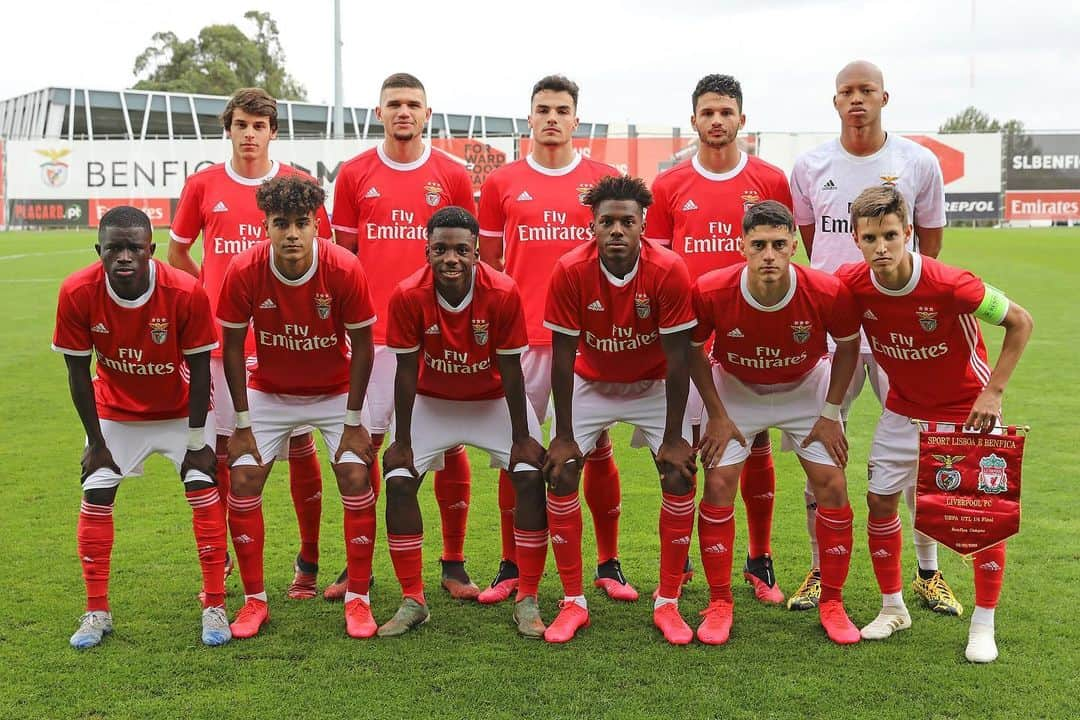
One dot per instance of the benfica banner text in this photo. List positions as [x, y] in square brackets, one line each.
[968, 496]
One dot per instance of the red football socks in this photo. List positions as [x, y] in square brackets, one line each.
[676, 526]
[248, 535]
[603, 495]
[406, 552]
[757, 484]
[532, 548]
[885, 537]
[359, 539]
[452, 489]
[95, 540]
[833, 528]
[208, 523]
[305, 486]
[716, 537]
[507, 501]
[564, 524]
[989, 574]
[223, 476]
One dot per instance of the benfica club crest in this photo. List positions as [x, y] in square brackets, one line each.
[322, 305]
[947, 477]
[750, 197]
[54, 173]
[480, 331]
[159, 330]
[800, 330]
[641, 305]
[927, 318]
[992, 477]
[432, 193]
[583, 192]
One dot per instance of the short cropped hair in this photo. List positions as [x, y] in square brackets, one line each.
[768, 212]
[619, 187]
[556, 83]
[453, 216]
[402, 80]
[253, 101]
[289, 195]
[124, 216]
[878, 201]
[721, 85]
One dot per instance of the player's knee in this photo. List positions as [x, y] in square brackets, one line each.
[721, 485]
[830, 489]
[528, 488]
[100, 496]
[245, 481]
[882, 506]
[674, 483]
[352, 478]
[400, 486]
[197, 485]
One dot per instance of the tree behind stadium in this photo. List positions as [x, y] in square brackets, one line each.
[219, 60]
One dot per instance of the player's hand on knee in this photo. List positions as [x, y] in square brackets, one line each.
[715, 436]
[678, 456]
[830, 433]
[203, 460]
[527, 450]
[563, 462]
[242, 442]
[399, 455]
[94, 458]
[985, 412]
[356, 438]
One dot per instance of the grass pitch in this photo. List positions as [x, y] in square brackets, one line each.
[467, 662]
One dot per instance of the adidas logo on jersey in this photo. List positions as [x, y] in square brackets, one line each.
[268, 304]
[100, 328]
[558, 540]
[245, 539]
[361, 540]
[869, 314]
[459, 505]
[716, 549]
[524, 196]
[221, 207]
[596, 306]
[372, 193]
[837, 550]
[881, 553]
[829, 185]
[689, 205]
[433, 330]
[684, 540]
[991, 566]
[735, 333]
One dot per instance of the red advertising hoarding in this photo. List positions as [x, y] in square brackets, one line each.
[159, 210]
[1042, 205]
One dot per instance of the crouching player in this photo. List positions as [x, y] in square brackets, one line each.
[771, 368]
[920, 318]
[621, 305]
[307, 301]
[152, 331]
[458, 330]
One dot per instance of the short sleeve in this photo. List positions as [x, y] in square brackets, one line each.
[197, 333]
[187, 221]
[968, 291]
[357, 307]
[658, 222]
[929, 211]
[234, 303]
[781, 193]
[325, 231]
[676, 308]
[511, 337]
[492, 218]
[705, 326]
[72, 333]
[346, 217]
[801, 205]
[843, 321]
[561, 311]
[403, 331]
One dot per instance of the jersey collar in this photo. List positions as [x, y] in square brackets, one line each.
[303, 278]
[254, 182]
[465, 301]
[720, 176]
[554, 172]
[139, 301]
[744, 287]
[916, 273]
[403, 167]
[623, 281]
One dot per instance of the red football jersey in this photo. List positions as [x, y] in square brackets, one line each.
[458, 345]
[140, 344]
[299, 325]
[925, 337]
[539, 214]
[220, 204]
[387, 204]
[777, 344]
[699, 214]
[619, 321]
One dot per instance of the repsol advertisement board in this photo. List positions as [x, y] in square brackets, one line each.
[973, 206]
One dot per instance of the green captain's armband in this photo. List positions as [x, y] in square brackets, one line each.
[993, 307]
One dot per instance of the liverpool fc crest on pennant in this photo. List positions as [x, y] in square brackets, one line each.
[159, 330]
[480, 331]
[992, 477]
[322, 305]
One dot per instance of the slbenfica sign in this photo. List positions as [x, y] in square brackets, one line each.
[1043, 162]
[968, 493]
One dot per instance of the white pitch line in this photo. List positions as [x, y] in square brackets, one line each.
[15, 281]
[42, 254]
